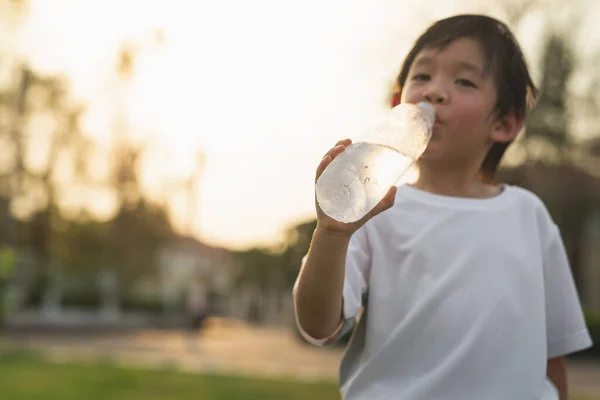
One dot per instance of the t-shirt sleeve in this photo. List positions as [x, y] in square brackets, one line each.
[566, 331]
[355, 286]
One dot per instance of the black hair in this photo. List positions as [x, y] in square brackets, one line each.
[503, 58]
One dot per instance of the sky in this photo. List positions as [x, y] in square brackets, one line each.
[262, 88]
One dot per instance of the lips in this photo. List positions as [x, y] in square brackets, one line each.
[436, 126]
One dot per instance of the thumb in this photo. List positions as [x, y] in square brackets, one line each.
[385, 203]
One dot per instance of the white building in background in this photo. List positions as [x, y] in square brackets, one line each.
[186, 264]
[187, 270]
[189, 267]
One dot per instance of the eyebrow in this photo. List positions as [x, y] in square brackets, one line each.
[467, 66]
[425, 61]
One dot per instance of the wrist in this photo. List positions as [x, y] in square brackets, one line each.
[335, 235]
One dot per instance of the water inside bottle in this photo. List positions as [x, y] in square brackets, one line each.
[363, 175]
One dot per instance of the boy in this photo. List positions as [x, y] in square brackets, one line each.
[464, 284]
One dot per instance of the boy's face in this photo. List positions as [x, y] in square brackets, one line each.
[454, 81]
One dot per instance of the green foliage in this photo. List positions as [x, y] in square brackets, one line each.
[83, 245]
[8, 262]
[135, 234]
[592, 319]
[261, 267]
[268, 269]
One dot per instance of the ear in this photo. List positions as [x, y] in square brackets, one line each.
[507, 128]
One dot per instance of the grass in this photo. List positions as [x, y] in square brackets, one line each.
[28, 377]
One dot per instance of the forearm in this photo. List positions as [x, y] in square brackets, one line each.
[320, 285]
[557, 372]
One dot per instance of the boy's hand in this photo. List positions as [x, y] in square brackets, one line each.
[329, 225]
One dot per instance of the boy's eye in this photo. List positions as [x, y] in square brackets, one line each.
[465, 82]
[421, 77]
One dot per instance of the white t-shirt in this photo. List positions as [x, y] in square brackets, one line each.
[467, 299]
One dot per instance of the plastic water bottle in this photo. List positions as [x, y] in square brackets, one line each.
[357, 179]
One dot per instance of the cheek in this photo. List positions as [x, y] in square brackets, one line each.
[410, 94]
[468, 118]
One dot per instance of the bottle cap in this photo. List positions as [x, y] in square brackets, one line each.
[428, 111]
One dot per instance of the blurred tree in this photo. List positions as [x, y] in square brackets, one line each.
[593, 148]
[7, 264]
[277, 269]
[136, 233]
[85, 245]
[140, 225]
[45, 153]
[43, 149]
[12, 12]
[261, 268]
[550, 119]
[301, 236]
[260, 273]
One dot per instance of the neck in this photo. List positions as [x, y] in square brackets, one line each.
[457, 182]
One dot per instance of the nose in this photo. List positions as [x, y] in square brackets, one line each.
[435, 94]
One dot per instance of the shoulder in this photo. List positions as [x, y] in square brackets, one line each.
[526, 198]
[531, 207]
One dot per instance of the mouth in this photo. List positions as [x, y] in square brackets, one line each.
[435, 128]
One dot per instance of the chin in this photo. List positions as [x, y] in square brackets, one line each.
[432, 150]
[434, 156]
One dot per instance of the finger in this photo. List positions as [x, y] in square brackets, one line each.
[336, 151]
[331, 154]
[339, 147]
[345, 142]
[385, 203]
[324, 163]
